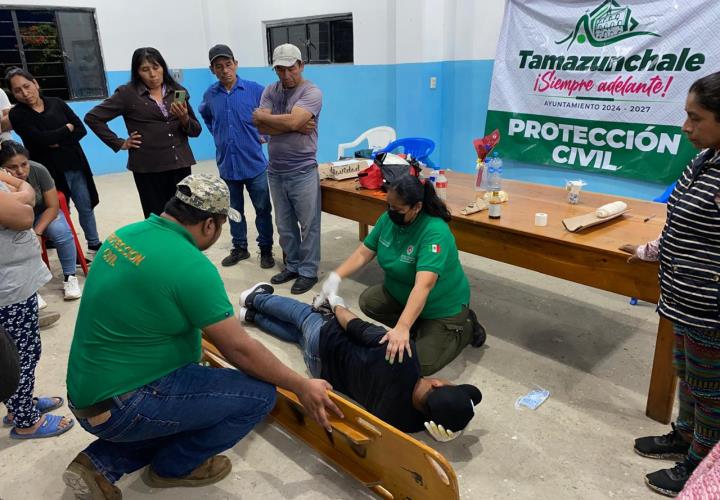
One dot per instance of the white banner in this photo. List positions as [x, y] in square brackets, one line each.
[601, 84]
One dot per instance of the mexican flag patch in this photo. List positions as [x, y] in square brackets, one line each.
[435, 248]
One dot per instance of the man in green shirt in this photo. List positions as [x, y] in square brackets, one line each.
[133, 375]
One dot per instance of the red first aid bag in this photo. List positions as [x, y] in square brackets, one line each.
[371, 177]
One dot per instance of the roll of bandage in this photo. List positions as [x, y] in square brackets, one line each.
[611, 209]
[541, 219]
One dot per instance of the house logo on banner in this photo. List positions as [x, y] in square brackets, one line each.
[607, 24]
[609, 95]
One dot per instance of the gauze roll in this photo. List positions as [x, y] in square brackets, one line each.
[611, 209]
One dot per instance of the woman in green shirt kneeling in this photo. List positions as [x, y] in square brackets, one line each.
[425, 294]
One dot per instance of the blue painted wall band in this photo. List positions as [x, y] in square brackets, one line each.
[359, 97]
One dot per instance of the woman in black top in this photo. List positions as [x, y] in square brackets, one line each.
[159, 154]
[51, 131]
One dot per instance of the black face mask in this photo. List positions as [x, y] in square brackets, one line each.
[397, 217]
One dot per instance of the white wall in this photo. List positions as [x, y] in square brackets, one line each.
[386, 31]
[246, 34]
[175, 28]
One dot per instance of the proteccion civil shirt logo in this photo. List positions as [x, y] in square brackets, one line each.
[410, 249]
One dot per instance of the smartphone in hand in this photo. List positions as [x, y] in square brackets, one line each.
[180, 96]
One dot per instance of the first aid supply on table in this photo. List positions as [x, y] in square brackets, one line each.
[541, 219]
[433, 176]
[573, 189]
[611, 209]
[441, 184]
[495, 209]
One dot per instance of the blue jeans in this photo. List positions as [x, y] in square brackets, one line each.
[257, 188]
[81, 197]
[178, 421]
[296, 196]
[292, 321]
[59, 233]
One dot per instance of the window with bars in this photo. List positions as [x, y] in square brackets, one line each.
[321, 40]
[59, 47]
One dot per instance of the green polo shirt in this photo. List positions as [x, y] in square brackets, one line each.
[425, 245]
[148, 294]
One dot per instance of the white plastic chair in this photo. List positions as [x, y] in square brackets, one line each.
[377, 138]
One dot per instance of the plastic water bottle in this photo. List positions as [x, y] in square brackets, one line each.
[441, 185]
[495, 173]
[494, 178]
[433, 177]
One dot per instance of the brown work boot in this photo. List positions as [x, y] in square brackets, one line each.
[210, 471]
[87, 482]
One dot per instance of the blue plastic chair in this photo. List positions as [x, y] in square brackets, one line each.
[419, 147]
[663, 198]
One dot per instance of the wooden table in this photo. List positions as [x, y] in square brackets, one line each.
[590, 257]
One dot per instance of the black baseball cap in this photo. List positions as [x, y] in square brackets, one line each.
[453, 406]
[220, 51]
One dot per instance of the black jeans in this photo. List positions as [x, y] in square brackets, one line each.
[156, 188]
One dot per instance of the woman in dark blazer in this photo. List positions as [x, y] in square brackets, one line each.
[159, 154]
[51, 131]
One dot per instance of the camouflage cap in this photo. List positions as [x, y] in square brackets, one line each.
[209, 193]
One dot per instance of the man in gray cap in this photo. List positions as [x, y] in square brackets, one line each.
[227, 108]
[289, 113]
[133, 376]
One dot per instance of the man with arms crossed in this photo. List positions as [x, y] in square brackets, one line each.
[289, 113]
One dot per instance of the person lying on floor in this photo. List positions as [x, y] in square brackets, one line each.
[351, 354]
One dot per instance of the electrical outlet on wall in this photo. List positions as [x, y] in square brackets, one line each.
[177, 74]
[433, 82]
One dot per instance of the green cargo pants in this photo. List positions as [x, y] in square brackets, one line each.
[438, 341]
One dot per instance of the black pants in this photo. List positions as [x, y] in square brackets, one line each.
[156, 188]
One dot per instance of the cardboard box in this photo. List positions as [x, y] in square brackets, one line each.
[343, 169]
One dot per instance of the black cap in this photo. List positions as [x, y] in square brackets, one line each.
[220, 51]
[452, 406]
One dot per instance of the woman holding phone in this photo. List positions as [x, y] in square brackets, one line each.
[159, 120]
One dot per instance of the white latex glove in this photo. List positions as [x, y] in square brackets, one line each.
[330, 287]
[336, 300]
[439, 433]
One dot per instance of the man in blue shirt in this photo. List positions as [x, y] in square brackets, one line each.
[227, 108]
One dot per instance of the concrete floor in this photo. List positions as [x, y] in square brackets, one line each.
[589, 348]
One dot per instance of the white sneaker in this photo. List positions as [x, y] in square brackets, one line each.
[72, 288]
[41, 302]
[261, 287]
[246, 315]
